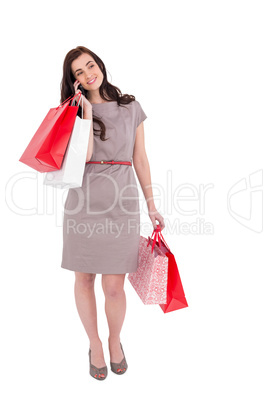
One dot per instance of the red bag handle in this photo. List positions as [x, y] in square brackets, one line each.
[70, 98]
[157, 236]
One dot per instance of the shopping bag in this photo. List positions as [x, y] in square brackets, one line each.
[175, 292]
[46, 149]
[150, 279]
[71, 173]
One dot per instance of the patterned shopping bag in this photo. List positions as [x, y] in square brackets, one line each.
[175, 292]
[150, 279]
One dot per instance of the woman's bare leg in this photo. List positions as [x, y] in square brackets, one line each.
[115, 309]
[86, 307]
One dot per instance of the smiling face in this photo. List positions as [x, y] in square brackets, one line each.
[87, 72]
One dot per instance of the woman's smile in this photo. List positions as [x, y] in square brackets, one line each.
[92, 81]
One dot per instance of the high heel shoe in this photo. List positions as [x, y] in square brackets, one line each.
[95, 372]
[120, 368]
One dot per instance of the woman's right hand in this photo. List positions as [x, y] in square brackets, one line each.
[86, 104]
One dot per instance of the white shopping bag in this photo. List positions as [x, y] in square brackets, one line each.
[70, 175]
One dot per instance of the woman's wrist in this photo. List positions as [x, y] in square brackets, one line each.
[151, 205]
[87, 113]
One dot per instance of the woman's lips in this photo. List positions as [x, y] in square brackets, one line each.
[91, 82]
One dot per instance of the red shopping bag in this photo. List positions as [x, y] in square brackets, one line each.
[175, 293]
[46, 149]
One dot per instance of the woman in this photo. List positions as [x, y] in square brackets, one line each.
[101, 226]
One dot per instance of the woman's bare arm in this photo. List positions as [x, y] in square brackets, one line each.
[88, 115]
[142, 167]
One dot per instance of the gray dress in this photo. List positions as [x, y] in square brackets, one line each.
[101, 223]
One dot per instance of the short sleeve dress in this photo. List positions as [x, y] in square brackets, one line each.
[101, 222]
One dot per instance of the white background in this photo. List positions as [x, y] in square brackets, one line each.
[199, 70]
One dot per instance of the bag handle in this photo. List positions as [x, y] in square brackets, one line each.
[65, 101]
[80, 97]
[157, 236]
[68, 99]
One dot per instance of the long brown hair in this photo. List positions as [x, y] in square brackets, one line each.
[106, 88]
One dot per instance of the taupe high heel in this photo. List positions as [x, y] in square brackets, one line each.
[120, 368]
[95, 372]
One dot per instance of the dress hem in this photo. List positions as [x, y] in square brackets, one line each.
[85, 272]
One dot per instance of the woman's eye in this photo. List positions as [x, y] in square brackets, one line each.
[92, 65]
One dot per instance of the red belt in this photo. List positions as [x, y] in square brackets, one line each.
[112, 162]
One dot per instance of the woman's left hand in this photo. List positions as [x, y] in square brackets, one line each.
[155, 215]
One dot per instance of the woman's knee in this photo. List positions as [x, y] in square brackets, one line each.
[86, 280]
[113, 285]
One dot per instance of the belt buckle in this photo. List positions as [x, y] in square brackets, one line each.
[112, 162]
